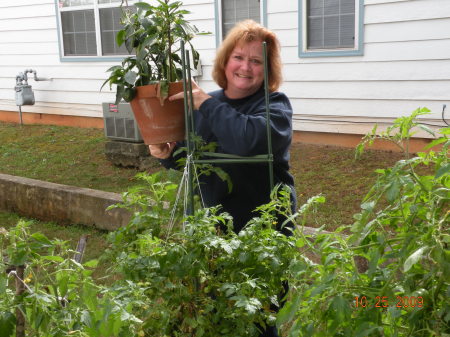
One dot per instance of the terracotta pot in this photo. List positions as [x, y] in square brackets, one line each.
[159, 123]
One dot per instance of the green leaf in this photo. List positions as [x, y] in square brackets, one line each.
[91, 264]
[143, 6]
[130, 77]
[300, 242]
[251, 305]
[163, 91]
[119, 93]
[319, 289]
[7, 324]
[365, 329]
[393, 190]
[120, 37]
[341, 308]
[41, 238]
[287, 313]
[444, 169]
[414, 258]
[427, 129]
[19, 258]
[374, 257]
[149, 41]
[53, 258]
[368, 206]
[63, 285]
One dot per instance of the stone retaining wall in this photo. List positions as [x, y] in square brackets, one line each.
[61, 203]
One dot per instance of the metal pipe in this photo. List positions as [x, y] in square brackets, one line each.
[230, 161]
[187, 117]
[191, 99]
[269, 133]
[20, 115]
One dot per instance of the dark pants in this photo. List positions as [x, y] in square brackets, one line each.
[270, 331]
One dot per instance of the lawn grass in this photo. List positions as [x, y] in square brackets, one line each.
[75, 156]
[65, 155]
[334, 173]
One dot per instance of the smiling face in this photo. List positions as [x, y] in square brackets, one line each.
[244, 70]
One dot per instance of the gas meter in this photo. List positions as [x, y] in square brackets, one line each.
[24, 93]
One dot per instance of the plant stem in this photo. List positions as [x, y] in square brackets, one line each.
[375, 244]
[169, 44]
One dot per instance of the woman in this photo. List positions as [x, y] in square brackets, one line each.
[234, 118]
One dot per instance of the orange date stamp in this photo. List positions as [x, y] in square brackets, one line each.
[401, 302]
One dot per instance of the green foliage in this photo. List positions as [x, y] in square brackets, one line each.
[153, 34]
[206, 280]
[152, 205]
[60, 298]
[201, 151]
[390, 277]
[399, 133]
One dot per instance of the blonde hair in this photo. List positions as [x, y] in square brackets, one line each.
[248, 31]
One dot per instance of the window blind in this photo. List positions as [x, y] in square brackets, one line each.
[79, 32]
[330, 24]
[234, 11]
[109, 26]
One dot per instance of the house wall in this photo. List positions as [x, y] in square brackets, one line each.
[406, 65]
[29, 39]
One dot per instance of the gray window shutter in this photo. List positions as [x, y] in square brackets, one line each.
[330, 24]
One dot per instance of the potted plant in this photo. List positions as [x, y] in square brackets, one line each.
[153, 34]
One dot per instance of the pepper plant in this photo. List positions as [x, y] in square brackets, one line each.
[152, 33]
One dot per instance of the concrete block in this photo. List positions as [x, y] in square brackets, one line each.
[61, 203]
[128, 154]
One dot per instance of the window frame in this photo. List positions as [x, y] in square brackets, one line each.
[218, 18]
[88, 58]
[358, 48]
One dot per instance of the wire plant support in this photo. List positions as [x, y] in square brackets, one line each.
[215, 158]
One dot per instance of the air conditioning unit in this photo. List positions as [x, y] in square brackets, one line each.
[120, 123]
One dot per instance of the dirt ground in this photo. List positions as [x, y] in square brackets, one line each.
[335, 173]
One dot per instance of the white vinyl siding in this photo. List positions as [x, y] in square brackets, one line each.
[405, 65]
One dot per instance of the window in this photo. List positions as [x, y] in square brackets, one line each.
[330, 27]
[229, 12]
[234, 11]
[88, 28]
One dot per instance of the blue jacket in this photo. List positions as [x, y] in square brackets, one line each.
[238, 126]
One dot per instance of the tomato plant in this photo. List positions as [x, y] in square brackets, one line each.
[402, 232]
[385, 275]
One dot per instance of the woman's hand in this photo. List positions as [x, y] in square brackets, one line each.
[198, 96]
[161, 151]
